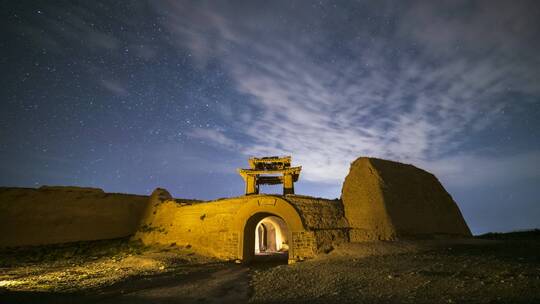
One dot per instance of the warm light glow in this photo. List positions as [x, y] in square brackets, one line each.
[271, 235]
[8, 283]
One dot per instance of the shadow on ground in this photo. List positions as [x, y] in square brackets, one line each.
[210, 283]
[500, 269]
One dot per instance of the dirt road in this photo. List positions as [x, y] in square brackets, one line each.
[462, 271]
[213, 283]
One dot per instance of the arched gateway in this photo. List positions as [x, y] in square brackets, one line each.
[227, 228]
[250, 226]
[288, 228]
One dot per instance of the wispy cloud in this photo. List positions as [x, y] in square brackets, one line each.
[471, 170]
[212, 136]
[114, 87]
[413, 90]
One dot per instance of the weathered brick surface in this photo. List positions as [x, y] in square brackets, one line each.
[319, 213]
[304, 245]
[208, 226]
[324, 217]
[203, 226]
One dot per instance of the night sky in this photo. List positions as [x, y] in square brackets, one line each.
[132, 95]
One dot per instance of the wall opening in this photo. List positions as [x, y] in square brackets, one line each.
[266, 238]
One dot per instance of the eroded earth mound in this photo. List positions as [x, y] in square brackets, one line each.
[385, 200]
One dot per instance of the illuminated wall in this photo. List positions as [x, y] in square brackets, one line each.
[65, 214]
[218, 228]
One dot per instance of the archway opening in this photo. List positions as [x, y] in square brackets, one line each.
[266, 238]
[271, 236]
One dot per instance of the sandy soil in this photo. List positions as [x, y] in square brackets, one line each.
[476, 271]
[495, 269]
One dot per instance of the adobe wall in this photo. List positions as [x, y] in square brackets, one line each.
[200, 225]
[216, 228]
[65, 214]
[387, 200]
[324, 217]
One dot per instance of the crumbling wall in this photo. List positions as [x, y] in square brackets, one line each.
[216, 228]
[201, 225]
[65, 214]
[324, 218]
[387, 200]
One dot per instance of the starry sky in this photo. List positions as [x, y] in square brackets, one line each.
[133, 95]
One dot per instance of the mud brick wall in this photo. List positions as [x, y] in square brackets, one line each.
[51, 215]
[204, 226]
[385, 200]
[304, 244]
[216, 228]
[324, 217]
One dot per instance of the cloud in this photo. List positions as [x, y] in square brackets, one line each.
[114, 87]
[212, 136]
[413, 85]
[472, 170]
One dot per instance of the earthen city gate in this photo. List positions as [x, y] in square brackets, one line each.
[228, 228]
[256, 210]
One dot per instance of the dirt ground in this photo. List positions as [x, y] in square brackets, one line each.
[494, 268]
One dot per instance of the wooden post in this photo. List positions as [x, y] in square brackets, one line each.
[251, 185]
[288, 184]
